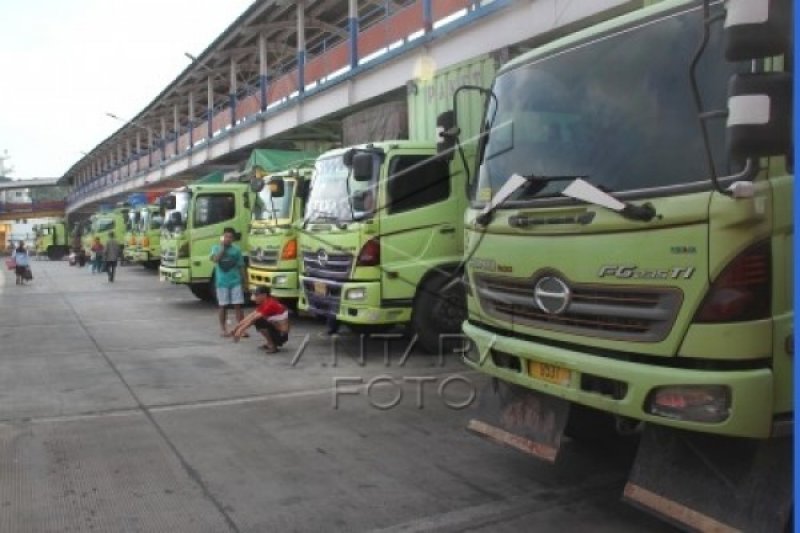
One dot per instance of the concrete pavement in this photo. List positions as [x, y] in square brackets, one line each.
[121, 409]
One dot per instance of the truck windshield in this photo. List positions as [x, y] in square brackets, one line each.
[263, 209]
[328, 200]
[102, 224]
[175, 219]
[149, 220]
[133, 219]
[617, 110]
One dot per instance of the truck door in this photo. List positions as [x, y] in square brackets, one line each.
[213, 211]
[419, 221]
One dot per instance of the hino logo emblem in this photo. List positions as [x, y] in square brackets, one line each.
[322, 257]
[552, 295]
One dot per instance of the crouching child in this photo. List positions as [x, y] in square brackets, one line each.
[271, 319]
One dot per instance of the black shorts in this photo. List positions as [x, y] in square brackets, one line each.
[20, 270]
[278, 337]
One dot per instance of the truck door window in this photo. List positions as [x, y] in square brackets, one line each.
[213, 209]
[416, 181]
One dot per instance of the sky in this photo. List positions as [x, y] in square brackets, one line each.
[65, 63]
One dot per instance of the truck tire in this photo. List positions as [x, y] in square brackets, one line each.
[204, 291]
[56, 253]
[440, 307]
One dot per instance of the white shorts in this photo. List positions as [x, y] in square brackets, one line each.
[230, 296]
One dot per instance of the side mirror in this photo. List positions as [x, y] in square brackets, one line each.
[757, 28]
[303, 188]
[276, 187]
[256, 184]
[759, 115]
[168, 202]
[361, 200]
[347, 157]
[363, 164]
[445, 138]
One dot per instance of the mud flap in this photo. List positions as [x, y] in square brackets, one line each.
[712, 483]
[521, 418]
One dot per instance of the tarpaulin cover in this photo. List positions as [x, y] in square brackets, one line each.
[214, 177]
[382, 122]
[277, 160]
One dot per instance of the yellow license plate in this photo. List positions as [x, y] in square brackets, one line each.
[320, 289]
[549, 373]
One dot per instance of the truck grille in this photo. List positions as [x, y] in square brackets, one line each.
[263, 258]
[642, 314]
[327, 265]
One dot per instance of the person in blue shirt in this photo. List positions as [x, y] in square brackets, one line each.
[228, 278]
[20, 257]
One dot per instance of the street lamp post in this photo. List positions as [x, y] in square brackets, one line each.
[149, 130]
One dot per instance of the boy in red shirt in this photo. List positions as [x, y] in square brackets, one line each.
[270, 318]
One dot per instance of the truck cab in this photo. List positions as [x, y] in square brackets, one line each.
[103, 223]
[273, 257]
[629, 258]
[382, 239]
[194, 218]
[147, 249]
[52, 240]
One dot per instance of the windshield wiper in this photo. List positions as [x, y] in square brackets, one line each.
[579, 189]
[586, 192]
[516, 181]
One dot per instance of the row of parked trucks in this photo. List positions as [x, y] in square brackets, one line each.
[613, 241]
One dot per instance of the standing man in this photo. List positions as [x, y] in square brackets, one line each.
[228, 278]
[113, 251]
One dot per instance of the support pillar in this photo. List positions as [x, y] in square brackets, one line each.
[210, 112]
[233, 91]
[352, 27]
[262, 69]
[301, 48]
[177, 127]
[427, 15]
[191, 120]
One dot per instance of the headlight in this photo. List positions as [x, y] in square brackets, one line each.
[355, 294]
[280, 280]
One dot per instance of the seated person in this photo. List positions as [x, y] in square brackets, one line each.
[271, 319]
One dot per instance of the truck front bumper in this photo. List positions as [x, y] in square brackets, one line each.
[284, 284]
[175, 274]
[574, 376]
[351, 302]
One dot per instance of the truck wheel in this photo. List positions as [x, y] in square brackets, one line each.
[440, 308]
[55, 253]
[204, 291]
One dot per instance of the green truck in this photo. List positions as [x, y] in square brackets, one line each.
[272, 243]
[629, 254]
[195, 216]
[382, 234]
[105, 222]
[52, 240]
[130, 238]
[147, 246]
